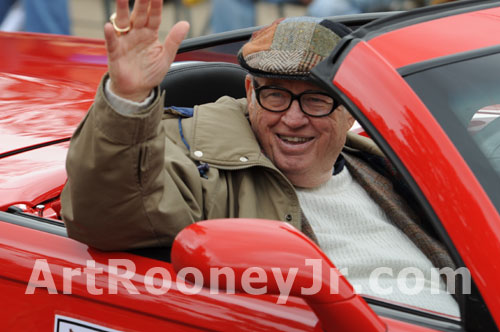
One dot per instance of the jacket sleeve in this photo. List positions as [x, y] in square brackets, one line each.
[128, 186]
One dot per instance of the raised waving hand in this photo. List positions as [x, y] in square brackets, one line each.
[137, 60]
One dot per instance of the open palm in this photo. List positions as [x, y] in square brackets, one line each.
[137, 60]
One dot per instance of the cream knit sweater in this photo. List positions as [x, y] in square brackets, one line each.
[356, 235]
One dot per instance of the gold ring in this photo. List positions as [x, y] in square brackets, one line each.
[112, 18]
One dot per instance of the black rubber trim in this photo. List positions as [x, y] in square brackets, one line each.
[446, 60]
[160, 254]
[192, 44]
[217, 39]
[420, 15]
[412, 316]
[33, 147]
[324, 72]
[33, 222]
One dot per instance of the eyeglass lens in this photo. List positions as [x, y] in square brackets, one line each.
[277, 99]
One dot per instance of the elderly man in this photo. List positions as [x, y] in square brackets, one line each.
[138, 174]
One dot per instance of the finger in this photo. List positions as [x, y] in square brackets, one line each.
[140, 13]
[122, 14]
[155, 14]
[111, 38]
[175, 38]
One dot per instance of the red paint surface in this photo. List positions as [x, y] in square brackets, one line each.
[132, 312]
[47, 83]
[173, 311]
[441, 37]
[463, 208]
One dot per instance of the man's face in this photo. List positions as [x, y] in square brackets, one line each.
[304, 148]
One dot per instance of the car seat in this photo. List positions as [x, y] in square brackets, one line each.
[193, 83]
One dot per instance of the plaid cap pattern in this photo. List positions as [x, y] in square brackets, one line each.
[290, 48]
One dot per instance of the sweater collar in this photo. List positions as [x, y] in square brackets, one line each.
[339, 165]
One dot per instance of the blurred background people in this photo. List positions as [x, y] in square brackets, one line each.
[321, 8]
[437, 2]
[237, 14]
[46, 16]
[88, 16]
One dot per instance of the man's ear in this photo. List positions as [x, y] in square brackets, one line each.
[349, 118]
[248, 88]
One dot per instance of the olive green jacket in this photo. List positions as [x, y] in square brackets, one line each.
[136, 181]
[133, 182]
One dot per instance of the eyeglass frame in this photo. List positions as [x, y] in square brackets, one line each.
[294, 96]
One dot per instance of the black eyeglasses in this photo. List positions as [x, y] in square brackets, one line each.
[278, 99]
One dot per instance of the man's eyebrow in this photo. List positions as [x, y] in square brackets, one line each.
[268, 81]
[274, 83]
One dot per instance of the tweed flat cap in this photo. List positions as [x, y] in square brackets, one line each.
[289, 48]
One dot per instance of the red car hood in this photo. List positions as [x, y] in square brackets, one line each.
[47, 84]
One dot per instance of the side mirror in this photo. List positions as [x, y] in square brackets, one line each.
[275, 257]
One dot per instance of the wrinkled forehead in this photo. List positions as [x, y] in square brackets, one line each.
[293, 85]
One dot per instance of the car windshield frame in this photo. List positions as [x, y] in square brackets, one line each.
[481, 74]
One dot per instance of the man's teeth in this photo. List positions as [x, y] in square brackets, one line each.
[295, 139]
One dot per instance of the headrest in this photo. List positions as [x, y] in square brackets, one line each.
[193, 83]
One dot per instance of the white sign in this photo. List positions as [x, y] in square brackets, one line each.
[68, 324]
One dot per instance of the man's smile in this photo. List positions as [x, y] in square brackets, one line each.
[294, 139]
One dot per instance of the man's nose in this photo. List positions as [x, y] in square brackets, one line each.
[293, 117]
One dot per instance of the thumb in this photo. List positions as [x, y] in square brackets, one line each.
[175, 37]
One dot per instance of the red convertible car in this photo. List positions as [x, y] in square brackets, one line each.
[423, 84]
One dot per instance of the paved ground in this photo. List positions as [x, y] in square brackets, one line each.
[88, 16]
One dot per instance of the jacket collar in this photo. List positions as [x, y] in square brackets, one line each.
[221, 135]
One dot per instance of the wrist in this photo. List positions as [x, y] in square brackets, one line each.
[136, 96]
[125, 106]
